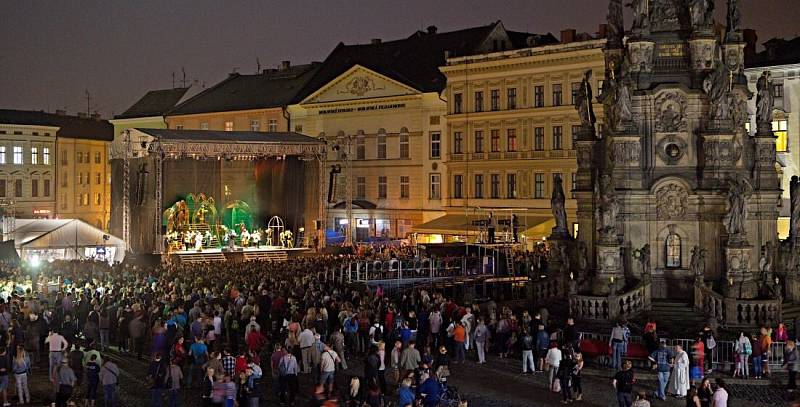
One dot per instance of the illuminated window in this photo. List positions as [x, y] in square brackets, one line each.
[511, 140]
[228, 126]
[255, 125]
[436, 145]
[17, 154]
[45, 155]
[673, 250]
[80, 157]
[404, 146]
[97, 157]
[2, 154]
[97, 178]
[777, 90]
[405, 187]
[272, 125]
[98, 199]
[780, 129]
[34, 155]
[435, 186]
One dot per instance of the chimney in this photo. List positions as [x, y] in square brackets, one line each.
[285, 65]
[602, 29]
[432, 29]
[567, 35]
[83, 115]
[95, 116]
[61, 112]
[375, 41]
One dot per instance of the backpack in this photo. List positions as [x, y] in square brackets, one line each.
[377, 336]
[712, 343]
[235, 324]
[282, 367]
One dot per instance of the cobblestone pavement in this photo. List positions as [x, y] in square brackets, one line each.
[495, 384]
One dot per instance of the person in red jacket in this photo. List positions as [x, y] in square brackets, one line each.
[255, 341]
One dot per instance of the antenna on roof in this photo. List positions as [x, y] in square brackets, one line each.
[183, 81]
[258, 66]
[88, 102]
[173, 79]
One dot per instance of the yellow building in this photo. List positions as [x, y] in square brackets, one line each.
[510, 126]
[379, 106]
[84, 178]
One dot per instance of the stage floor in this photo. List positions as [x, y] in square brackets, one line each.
[238, 254]
[242, 249]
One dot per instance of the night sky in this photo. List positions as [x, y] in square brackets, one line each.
[51, 52]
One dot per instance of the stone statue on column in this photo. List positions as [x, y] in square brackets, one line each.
[734, 17]
[643, 256]
[641, 15]
[718, 88]
[702, 13]
[607, 207]
[698, 263]
[765, 101]
[557, 204]
[583, 102]
[616, 26]
[739, 190]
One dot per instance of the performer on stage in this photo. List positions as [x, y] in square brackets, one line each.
[289, 239]
[282, 238]
[198, 241]
[255, 238]
[208, 237]
[231, 238]
[269, 236]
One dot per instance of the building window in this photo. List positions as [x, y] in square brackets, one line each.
[573, 181]
[673, 250]
[458, 186]
[228, 126]
[495, 186]
[511, 139]
[576, 86]
[479, 101]
[204, 126]
[777, 90]
[404, 146]
[381, 187]
[575, 131]
[2, 154]
[478, 141]
[434, 120]
[98, 178]
[361, 148]
[45, 155]
[405, 190]
[46, 188]
[34, 155]
[538, 139]
[97, 157]
[79, 160]
[272, 125]
[17, 154]
[179, 127]
[512, 98]
[85, 199]
[298, 128]
[538, 186]
[457, 103]
[495, 99]
[34, 188]
[458, 140]
[381, 146]
[780, 129]
[98, 199]
[255, 125]
[80, 178]
[63, 180]
[558, 138]
[511, 185]
[436, 145]
[435, 191]
[495, 140]
[18, 188]
[538, 96]
[361, 187]
[557, 95]
[479, 186]
[2, 188]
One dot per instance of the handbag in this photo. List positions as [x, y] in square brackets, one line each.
[556, 387]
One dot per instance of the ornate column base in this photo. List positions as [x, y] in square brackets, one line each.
[610, 277]
[740, 282]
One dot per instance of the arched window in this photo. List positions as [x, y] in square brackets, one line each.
[673, 250]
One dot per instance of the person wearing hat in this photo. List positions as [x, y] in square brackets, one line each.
[662, 359]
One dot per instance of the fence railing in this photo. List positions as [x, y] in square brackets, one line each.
[735, 312]
[365, 271]
[723, 356]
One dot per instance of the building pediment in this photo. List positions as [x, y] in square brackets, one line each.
[357, 83]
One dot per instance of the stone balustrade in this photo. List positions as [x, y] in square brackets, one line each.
[735, 312]
[546, 290]
[589, 307]
[612, 306]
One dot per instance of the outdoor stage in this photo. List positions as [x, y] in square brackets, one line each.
[238, 254]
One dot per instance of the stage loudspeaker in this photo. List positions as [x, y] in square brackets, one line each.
[318, 224]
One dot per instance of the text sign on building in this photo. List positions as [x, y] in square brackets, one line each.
[362, 223]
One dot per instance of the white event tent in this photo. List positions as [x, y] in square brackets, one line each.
[64, 239]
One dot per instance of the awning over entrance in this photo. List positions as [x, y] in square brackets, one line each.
[457, 224]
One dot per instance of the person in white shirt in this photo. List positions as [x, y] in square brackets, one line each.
[327, 366]
[58, 344]
[307, 340]
[553, 360]
[720, 395]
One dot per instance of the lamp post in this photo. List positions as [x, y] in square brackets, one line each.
[348, 157]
